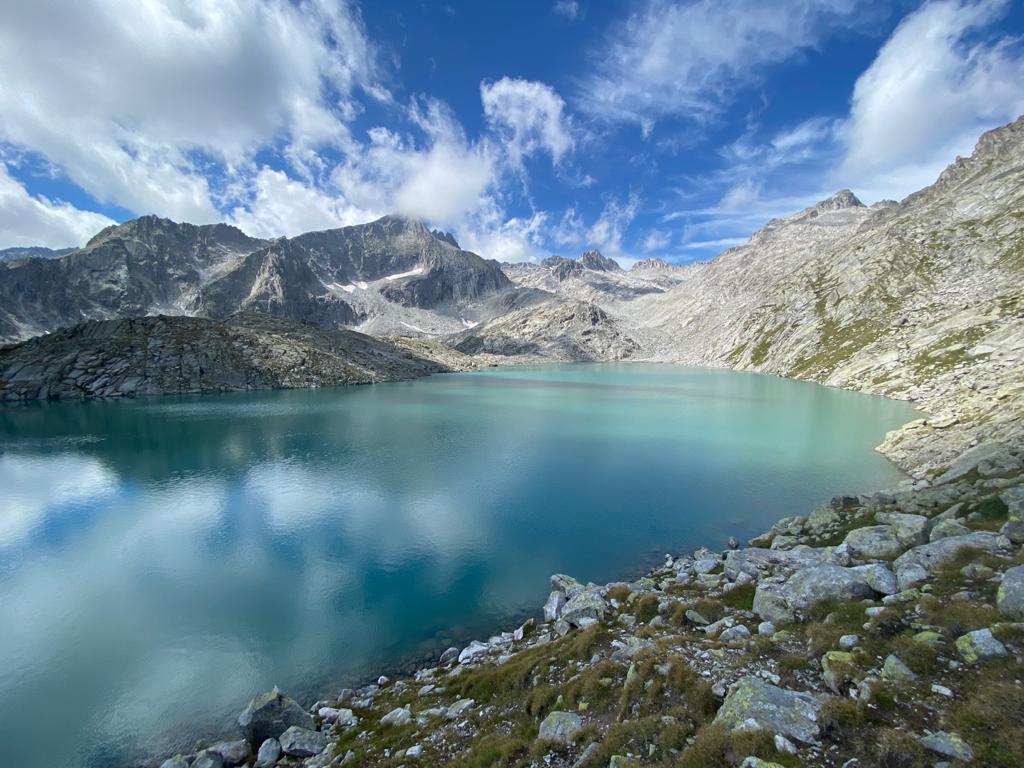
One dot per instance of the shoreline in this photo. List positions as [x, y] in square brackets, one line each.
[575, 611]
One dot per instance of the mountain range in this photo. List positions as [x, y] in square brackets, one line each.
[919, 299]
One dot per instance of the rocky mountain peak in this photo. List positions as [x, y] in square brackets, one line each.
[842, 199]
[654, 264]
[594, 260]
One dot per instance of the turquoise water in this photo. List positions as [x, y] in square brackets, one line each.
[161, 560]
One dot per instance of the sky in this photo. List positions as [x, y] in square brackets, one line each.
[641, 128]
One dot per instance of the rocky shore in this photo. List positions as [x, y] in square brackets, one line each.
[884, 629]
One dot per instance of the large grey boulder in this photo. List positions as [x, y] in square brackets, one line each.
[553, 607]
[232, 752]
[877, 576]
[560, 727]
[806, 588]
[988, 459]
[1010, 596]
[269, 715]
[208, 759]
[911, 530]
[303, 742]
[398, 716]
[269, 754]
[583, 606]
[949, 745]
[928, 557]
[756, 562]
[979, 645]
[777, 710]
[874, 542]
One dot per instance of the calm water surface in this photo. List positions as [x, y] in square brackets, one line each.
[161, 560]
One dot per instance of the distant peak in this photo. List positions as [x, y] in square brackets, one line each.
[844, 198]
[445, 237]
[594, 260]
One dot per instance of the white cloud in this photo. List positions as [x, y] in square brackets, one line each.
[134, 101]
[929, 94]
[605, 233]
[283, 206]
[656, 240]
[689, 59]
[517, 239]
[569, 9]
[34, 220]
[529, 116]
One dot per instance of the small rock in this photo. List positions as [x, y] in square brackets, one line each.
[415, 752]
[847, 642]
[895, 671]
[736, 634]
[553, 606]
[473, 651]
[1010, 596]
[942, 690]
[450, 656]
[560, 727]
[766, 628]
[178, 761]
[459, 708]
[948, 745]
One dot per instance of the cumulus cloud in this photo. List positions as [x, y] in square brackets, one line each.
[928, 95]
[132, 102]
[27, 219]
[690, 59]
[605, 233]
[529, 116]
[656, 240]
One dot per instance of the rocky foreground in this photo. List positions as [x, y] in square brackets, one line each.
[189, 355]
[880, 630]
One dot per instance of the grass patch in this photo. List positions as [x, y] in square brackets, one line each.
[715, 748]
[989, 716]
[740, 598]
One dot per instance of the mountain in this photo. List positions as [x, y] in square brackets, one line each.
[32, 252]
[595, 261]
[185, 355]
[389, 274]
[922, 299]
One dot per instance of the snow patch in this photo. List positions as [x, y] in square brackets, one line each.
[410, 273]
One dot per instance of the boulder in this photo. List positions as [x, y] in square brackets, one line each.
[757, 562]
[178, 761]
[944, 529]
[835, 669]
[928, 557]
[810, 586]
[232, 752]
[1010, 596]
[909, 529]
[1013, 528]
[459, 708]
[736, 634]
[269, 754]
[873, 542]
[586, 604]
[949, 745]
[269, 715]
[979, 645]
[895, 671]
[450, 656]
[473, 651]
[771, 605]
[877, 576]
[560, 727]
[792, 714]
[208, 759]
[553, 607]
[757, 762]
[303, 742]
[398, 717]
[988, 459]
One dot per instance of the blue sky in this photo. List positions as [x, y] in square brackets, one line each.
[643, 128]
